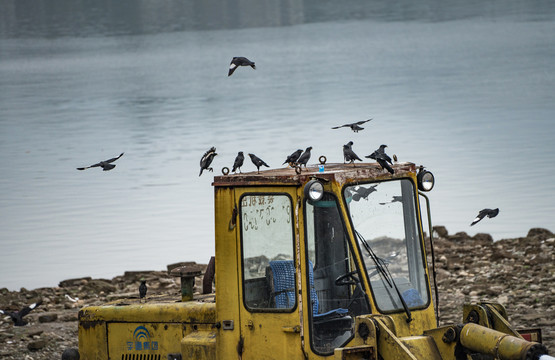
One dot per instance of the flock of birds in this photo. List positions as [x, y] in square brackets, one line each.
[297, 159]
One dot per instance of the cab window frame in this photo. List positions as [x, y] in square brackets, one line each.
[248, 307]
[348, 247]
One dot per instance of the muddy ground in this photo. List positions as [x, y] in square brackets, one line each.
[519, 273]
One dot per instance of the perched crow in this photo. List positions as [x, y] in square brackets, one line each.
[105, 165]
[206, 160]
[238, 162]
[239, 61]
[485, 212]
[303, 159]
[291, 159]
[348, 153]
[17, 316]
[142, 289]
[382, 158]
[363, 193]
[354, 126]
[258, 162]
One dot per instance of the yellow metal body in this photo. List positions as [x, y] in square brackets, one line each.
[228, 329]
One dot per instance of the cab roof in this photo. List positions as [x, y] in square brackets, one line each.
[338, 172]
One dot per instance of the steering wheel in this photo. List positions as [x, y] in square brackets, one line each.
[347, 279]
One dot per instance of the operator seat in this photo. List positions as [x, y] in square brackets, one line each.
[281, 278]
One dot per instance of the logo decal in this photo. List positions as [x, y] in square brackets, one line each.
[141, 340]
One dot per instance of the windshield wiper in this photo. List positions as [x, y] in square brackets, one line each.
[382, 268]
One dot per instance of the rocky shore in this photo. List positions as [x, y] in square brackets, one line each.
[519, 273]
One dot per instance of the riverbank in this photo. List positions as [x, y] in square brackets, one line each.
[519, 273]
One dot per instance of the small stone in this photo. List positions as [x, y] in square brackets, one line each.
[48, 317]
[485, 238]
[34, 332]
[70, 354]
[74, 282]
[36, 345]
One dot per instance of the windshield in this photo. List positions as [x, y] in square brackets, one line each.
[385, 221]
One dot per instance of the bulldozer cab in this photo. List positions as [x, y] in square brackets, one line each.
[325, 263]
[315, 251]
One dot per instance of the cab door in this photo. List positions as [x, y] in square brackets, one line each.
[269, 305]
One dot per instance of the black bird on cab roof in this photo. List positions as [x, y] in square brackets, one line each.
[382, 158]
[303, 159]
[348, 153]
[106, 165]
[483, 213]
[292, 159]
[238, 161]
[354, 126]
[258, 162]
[207, 159]
[239, 61]
[17, 316]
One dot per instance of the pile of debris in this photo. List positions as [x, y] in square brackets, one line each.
[518, 273]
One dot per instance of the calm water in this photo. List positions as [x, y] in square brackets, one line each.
[466, 89]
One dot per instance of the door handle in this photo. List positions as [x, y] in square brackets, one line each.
[291, 329]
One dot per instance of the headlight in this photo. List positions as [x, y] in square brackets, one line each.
[314, 190]
[425, 180]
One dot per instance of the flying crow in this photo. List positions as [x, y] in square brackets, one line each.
[382, 158]
[238, 161]
[142, 289]
[239, 61]
[258, 162]
[354, 126]
[17, 316]
[348, 153]
[303, 159]
[292, 159]
[105, 165]
[483, 213]
[206, 160]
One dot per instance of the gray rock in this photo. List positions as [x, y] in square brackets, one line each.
[37, 344]
[485, 238]
[70, 354]
[48, 317]
[440, 231]
[540, 232]
[97, 286]
[74, 282]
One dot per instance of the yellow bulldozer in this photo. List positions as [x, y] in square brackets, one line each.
[327, 262]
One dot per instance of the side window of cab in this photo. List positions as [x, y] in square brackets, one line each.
[267, 250]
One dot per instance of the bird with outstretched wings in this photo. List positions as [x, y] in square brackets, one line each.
[106, 165]
[239, 61]
[354, 126]
[490, 213]
[17, 316]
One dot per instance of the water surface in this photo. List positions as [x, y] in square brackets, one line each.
[464, 88]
